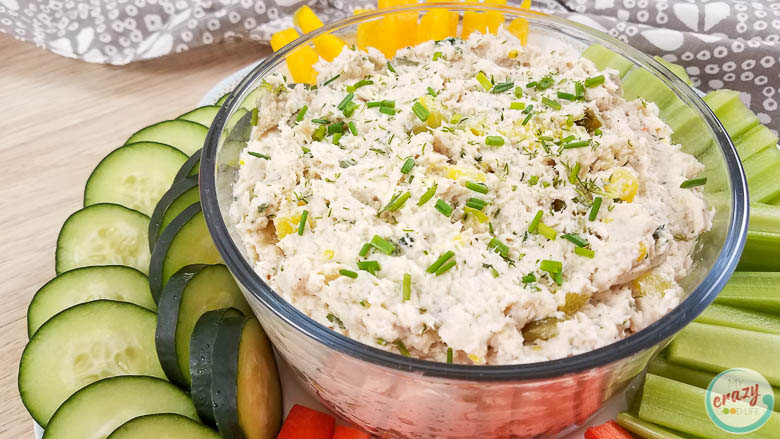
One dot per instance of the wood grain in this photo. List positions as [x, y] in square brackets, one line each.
[58, 118]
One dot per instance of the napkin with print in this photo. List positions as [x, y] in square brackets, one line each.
[725, 43]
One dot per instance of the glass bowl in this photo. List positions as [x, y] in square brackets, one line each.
[394, 396]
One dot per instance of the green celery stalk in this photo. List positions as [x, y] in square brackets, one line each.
[764, 186]
[717, 348]
[764, 218]
[762, 252]
[680, 406]
[646, 429]
[752, 290]
[726, 315]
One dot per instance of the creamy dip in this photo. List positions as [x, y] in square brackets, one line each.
[517, 149]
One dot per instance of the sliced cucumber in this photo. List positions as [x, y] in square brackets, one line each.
[163, 426]
[103, 234]
[134, 175]
[192, 291]
[184, 241]
[604, 58]
[733, 114]
[245, 382]
[202, 115]
[85, 284]
[222, 99]
[81, 345]
[176, 191]
[190, 168]
[99, 408]
[186, 199]
[183, 135]
[250, 101]
[755, 140]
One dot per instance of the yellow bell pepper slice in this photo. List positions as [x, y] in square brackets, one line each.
[301, 61]
[473, 22]
[282, 38]
[306, 19]
[519, 26]
[399, 31]
[328, 46]
[437, 25]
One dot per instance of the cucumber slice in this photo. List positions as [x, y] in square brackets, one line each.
[185, 241]
[677, 69]
[245, 383]
[604, 58]
[176, 191]
[724, 315]
[250, 101]
[190, 168]
[134, 175]
[98, 409]
[186, 199]
[85, 284]
[103, 234]
[201, 347]
[755, 140]
[202, 115]
[222, 99]
[163, 426]
[733, 114]
[81, 345]
[183, 135]
[192, 291]
[640, 83]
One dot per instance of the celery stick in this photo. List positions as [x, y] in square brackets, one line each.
[732, 113]
[764, 186]
[768, 159]
[681, 407]
[753, 290]
[646, 429]
[717, 348]
[762, 252]
[754, 141]
[675, 68]
[775, 201]
[764, 218]
[725, 315]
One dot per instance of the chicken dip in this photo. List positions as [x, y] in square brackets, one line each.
[474, 201]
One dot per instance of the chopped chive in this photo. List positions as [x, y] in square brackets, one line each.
[369, 266]
[336, 138]
[533, 180]
[574, 173]
[335, 320]
[499, 247]
[528, 109]
[443, 207]
[381, 341]
[557, 277]
[568, 138]
[517, 105]
[477, 187]
[373, 104]
[388, 103]
[446, 267]
[545, 83]
[693, 183]
[349, 109]
[481, 217]
[347, 99]
[531, 84]
[594, 209]
[551, 266]
[361, 83]
[330, 80]
[493, 271]
[399, 202]
[594, 81]
[420, 111]
[578, 144]
[476, 203]
[579, 90]
[427, 195]
[319, 133]
[440, 261]
[484, 81]
[302, 223]
[566, 96]
[518, 92]
[258, 155]
[352, 128]
[391, 68]
[254, 117]
[551, 103]
[305, 149]
[348, 273]
[527, 118]
[437, 56]
[575, 239]
[597, 132]
[528, 278]
[535, 222]
[407, 166]
[336, 128]
[364, 250]
[494, 140]
[582, 251]
[301, 113]
[490, 227]
[502, 87]
[449, 355]
[382, 245]
[407, 286]
[321, 121]
[546, 231]
[387, 110]
[432, 92]
[398, 343]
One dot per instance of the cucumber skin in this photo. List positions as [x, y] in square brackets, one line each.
[175, 191]
[141, 135]
[211, 110]
[183, 430]
[161, 249]
[189, 166]
[168, 319]
[201, 348]
[224, 377]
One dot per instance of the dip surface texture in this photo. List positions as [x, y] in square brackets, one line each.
[457, 146]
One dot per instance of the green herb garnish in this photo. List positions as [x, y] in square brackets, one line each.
[352, 128]
[502, 87]
[477, 187]
[575, 239]
[420, 111]
[484, 81]
[347, 99]
[398, 343]
[348, 273]
[517, 105]
[364, 250]
[535, 222]
[407, 166]
[494, 140]
[594, 81]
[330, 80]
[301, 113]
[427, 195]
[586, 252]
[321, 121]
[391, 68]
[578, 144]
[546, 231]
[382, 245]
[440, 261]
[594, 209]
[349, 109]
[443, 207]
[335, 320]
[399, 202]
[551, 103]
[407, 287]
[528, 278]
[501, 248]
[369, 266]
[693, 183]
[336, 128]
[551, 267]
[566, 96]
[258, 155]
[437, 56]
[444, 268]
[476, 203]
[302, 223]
[432, 92]
[387, 110]
[449, 355]
[253, 120]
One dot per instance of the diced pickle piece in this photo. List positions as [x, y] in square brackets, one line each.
[574, 302]
[542, 329]
[650, 283]
[457, 173]
[622, 184]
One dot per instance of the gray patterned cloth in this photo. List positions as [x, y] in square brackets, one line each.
[722, 43]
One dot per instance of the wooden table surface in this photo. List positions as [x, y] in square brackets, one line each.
[58, 118]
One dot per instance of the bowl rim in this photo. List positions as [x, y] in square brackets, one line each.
[650, 336]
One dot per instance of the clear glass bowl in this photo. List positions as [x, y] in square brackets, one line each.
[395, 396]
